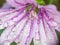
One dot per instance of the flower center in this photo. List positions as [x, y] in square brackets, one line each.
[34, 11]
[33, 15]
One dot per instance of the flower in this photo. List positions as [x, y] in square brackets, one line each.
[24, 23]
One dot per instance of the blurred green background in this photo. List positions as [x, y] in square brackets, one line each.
[56, 2]
[2, 2]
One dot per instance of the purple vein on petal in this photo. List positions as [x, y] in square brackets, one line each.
[38, 23]
[19, 3]
[20, 32]
[22, 29]
[16, 15]
[29, 38]
[51, 29]
[13, 11]
[46, 14]
[44, 27]
[13, 26]
[18, 22]
[39, 31]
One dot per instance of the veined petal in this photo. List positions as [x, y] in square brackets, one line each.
[50, 34]
[5, 19]
[23, 40]
[8, 18]
[21, 28]
[11, 33]
[42, 34]
[20, 3]
[52, 10]
[14, 3]
[54, 16]
[36, 34]
[30, 35]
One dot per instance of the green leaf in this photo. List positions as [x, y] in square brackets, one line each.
[45, 2]
[13, 43]
[32, 43]
[41, 2]
[1, 31]
[58, 35]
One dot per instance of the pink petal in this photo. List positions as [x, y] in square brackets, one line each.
[55, 15]
[20, 3]
[11, 33]
[51, 34]
[48, 35]
[23, 40]
[10, 17]
[36, 38]
[5, 16]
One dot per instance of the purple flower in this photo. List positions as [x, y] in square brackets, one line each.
[24, 23]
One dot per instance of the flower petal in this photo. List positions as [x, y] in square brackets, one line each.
[8, 18]
[12, 32]
[20, 3]
[36, 34]
[51, 34]
[53, 13]
[53, 7]
[23, 40]
[48, 35]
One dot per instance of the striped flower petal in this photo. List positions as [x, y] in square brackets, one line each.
[20, 3]
[54, 16]
[24, 24]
